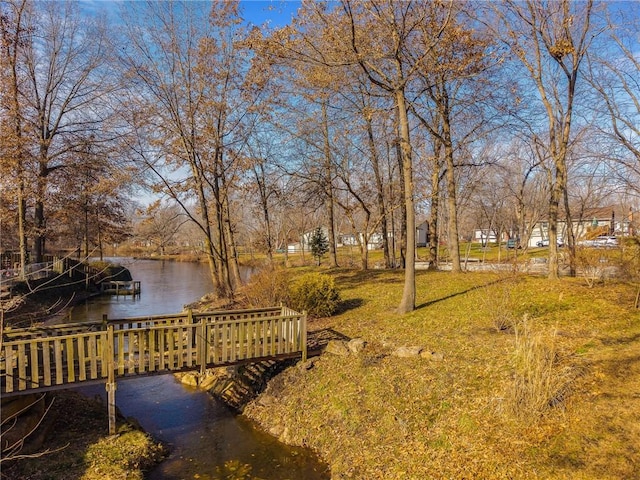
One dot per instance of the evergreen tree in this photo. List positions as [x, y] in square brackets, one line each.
[319, 244]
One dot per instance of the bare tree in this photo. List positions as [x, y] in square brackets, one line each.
[550, 39]
[14, 30]
[613, 73]
[65, 88]
[192, 104]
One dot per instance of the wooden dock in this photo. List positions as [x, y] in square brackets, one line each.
[59, 356]
[120, 287]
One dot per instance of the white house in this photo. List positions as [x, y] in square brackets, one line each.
[484, 236]
[422, 234]
[612, 220]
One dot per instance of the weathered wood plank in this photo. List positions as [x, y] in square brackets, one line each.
[57, 348]
[34, 365]
[130, 343]
[143, 350]
[9, 360]
[46, 362]
[180, 350]
[242, 340]
[22, 367]
[225, 344]
[161, 350]
[70, 350]
[171, 339]
[120, 362]
[152, 350]
[82, 366]
[93, 356]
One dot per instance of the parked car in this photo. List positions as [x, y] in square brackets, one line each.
[545, 243]
[513, 243]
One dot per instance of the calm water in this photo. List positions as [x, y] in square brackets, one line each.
[208, 441]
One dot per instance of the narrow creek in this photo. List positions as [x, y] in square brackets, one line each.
[207, 440]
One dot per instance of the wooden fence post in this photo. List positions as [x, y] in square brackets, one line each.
[111, 377]
[303, 336]
[203, 345]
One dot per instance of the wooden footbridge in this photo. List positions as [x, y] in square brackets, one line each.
[60, 356]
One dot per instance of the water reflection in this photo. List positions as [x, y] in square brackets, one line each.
[208, 441]
[166, 287]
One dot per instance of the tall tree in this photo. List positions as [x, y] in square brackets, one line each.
[189, 68]
[14, 31]
[381, 39]
[64, 92]
[550, 39]
[614, 72]
[455, 101]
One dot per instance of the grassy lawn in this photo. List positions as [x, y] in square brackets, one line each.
[540, 379]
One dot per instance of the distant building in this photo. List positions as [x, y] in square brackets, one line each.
[484, 236]
[422, 234]
[611, 220]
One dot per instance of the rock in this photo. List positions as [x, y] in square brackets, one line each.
[308, 365]
[406, 352]
[276, 430]
[190, 379]
[356, 345]
[338, 347]
[432, 356]
[207, 381]
[266, 400]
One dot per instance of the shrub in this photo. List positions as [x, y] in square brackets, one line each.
[267, 288]
[592, 262]
[316, 294]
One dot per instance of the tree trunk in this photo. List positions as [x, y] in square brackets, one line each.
[333, 258]
[38, 240]
[454, 242]
[232, 256]
[408, 301]
[22, 216]
[382, 209]
[435, 207]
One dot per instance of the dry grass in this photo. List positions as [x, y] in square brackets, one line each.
[376, 416]
[542, 377]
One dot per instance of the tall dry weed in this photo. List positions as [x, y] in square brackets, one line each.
[498, 302]
[542, 379]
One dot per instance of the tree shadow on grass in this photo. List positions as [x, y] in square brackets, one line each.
[352, 279]
[349, 304]
[462, 292]
[317, 340]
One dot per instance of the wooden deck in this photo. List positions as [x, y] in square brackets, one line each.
[120, 287]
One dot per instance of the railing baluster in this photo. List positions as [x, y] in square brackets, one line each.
[35, 365]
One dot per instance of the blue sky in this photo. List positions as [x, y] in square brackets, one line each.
[274, 12]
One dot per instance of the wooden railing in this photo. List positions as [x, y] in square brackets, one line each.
[50, 357]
